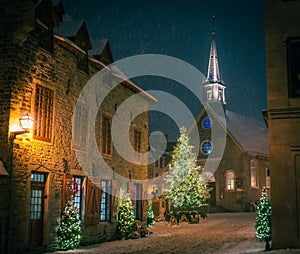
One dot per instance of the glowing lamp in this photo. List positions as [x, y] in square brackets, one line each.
[26, 122]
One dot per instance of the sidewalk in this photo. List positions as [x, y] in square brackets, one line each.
[220, 233]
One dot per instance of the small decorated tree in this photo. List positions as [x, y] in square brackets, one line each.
[263, 220]
[184, 185]
[69, 231]
[126, 225]
[150, 214]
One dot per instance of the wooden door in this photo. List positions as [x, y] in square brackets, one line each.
[36, 211]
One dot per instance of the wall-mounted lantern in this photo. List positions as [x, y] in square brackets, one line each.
[26, 123]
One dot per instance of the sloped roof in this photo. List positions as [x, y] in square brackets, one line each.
[98, 46]
[68, 28]
[251, 134]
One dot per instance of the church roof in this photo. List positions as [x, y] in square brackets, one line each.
[69, 28]
[251, 134]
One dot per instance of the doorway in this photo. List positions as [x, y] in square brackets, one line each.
[36, 219]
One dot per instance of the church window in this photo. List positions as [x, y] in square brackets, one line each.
[206, 123]
[230, 180]
[206, 147]
[253, 174]
[209, 94]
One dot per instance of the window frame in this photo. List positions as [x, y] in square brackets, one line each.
[293, 83]
[211, 147]
[254, 183]
[106, 137]
[80, 126]
[81, 194]
[230, 180]
[43, 113]
[106, 196]
[137, 145]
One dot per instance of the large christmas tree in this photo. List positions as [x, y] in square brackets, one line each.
[263, 220]
[185, 187]
[69, 231]
[126, 225]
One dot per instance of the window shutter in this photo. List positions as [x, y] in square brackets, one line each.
[66, 190]
[92, 207]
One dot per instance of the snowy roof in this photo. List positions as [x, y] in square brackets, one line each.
[68, 28]
[98, 46]
[251, 134]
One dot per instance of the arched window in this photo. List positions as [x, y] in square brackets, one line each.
[230, 178]
[253, 174]
[206, 147]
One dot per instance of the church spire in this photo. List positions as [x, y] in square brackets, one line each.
[214, 88]
[213, 74]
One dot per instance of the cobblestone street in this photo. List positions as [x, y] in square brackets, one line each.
[219, 233]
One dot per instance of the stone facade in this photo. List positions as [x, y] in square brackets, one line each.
[282, 30]
[30, 70]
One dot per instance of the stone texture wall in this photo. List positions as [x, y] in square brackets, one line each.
[23, 66]
[281, 23]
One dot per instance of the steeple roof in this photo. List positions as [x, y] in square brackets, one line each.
[213, 74]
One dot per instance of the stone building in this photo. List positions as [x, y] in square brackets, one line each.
[282, 31]
[237, 174]
[46, 61]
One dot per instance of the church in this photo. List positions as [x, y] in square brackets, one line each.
[240, 170]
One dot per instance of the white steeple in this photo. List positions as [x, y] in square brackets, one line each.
[214, 88]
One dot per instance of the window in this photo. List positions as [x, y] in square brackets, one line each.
[46, 39]
[206, 123]
[268, 178]
[38, 181]
[254, 174]
[106, 136]
[80, 126]
[137, 145]
[105, 201]
[83, 63]
[209, 94]
[138, 201]
[293, 55]
[206, 147]
[43, 113]
[230, 180]
[77, 190]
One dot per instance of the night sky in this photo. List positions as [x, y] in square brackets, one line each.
[182, 29]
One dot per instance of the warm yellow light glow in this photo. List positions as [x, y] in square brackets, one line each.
[26, 122]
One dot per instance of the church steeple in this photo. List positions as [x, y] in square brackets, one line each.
[214, 88]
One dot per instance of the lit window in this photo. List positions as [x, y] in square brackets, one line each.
[230, 180]
[77, 190]
[206, 147]
[209, 94]
[137, 145]
[38, 181]
[206, 123]
[105, 201]
[254, 174]
[106, 136]
[43, 113]
[268, 178]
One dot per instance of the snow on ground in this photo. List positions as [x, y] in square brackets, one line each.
[219, 233]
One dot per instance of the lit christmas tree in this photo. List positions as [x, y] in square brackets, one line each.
[185, 186]
[69, 231]
[263, 220]
[150, 214]
[126, 225]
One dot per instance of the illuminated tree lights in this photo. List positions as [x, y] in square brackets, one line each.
[186, 188]
[126, 225]
[69, 231]
[150, 214]
[263, 220]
